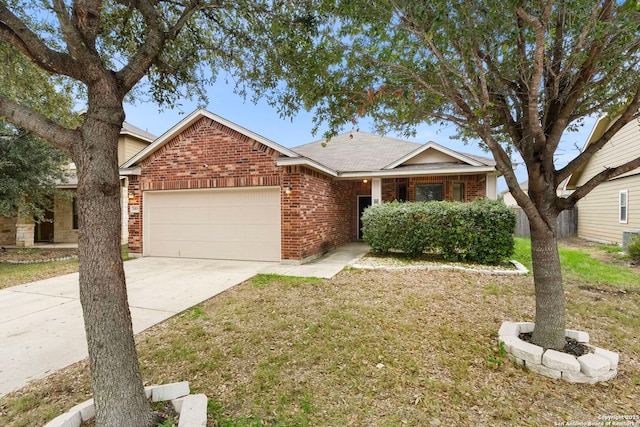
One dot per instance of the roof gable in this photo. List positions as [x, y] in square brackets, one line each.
[189, 121]
[431, 153]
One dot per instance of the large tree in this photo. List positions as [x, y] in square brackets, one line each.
[513, 75]
[30, 170]
[106, 51]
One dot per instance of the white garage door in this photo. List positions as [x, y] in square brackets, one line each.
[239, 224]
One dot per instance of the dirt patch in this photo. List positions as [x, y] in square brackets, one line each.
[614, 292]
[27, 255]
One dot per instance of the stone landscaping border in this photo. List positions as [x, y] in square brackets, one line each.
[519, 268]
[591, 368]
[39, 261]
[191, 407]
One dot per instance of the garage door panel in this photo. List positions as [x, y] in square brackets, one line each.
[220, 224]
[248, 234]
[205, 250]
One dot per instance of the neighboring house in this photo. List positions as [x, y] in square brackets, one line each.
[62, 222]
[209, 188]
[510, 201]
[613, 206]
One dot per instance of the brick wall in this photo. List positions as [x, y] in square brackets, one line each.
[210, 155]
[135, 218]
[206, 155]
[318, 215]
[474, 186]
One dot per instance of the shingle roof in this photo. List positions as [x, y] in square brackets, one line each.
[356, 151]
[128, 128]
[362, 151]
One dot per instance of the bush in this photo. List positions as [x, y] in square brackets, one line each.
[480, 231]
[634, 248]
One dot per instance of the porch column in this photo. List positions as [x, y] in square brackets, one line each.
[491, 186]
[24, 232]
[376, 191]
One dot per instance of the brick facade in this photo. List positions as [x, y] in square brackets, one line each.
[474, 186]
[317, 215]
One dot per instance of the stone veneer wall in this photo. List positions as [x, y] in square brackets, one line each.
[7, 231]
[63, 231]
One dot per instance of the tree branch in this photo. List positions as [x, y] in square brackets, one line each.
[157, 34]
[598, 179]
[534, 84]
[629, 113]
[25, 118]
[14, 32]
[582, 80]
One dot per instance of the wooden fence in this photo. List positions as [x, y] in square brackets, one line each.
[567, 224]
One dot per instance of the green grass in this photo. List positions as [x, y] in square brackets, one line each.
[265, 280]
[580, 266]
[522, 251]
[17, 274]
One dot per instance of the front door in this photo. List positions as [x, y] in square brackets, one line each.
[363, 203]
[44, 229]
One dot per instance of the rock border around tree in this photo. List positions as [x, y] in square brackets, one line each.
[596, 366]
[191, 407]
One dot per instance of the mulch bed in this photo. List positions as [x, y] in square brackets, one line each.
[571, 347]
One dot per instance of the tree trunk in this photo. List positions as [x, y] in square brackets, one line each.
[547, 277]
[115, 374]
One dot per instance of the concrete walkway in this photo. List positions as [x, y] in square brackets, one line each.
[41, 325]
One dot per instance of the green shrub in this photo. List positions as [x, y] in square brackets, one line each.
[634, 248]
[480, 231]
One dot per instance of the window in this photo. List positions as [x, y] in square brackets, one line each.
[624, 206]
[402, 192]
[458, 191]
[428, 192]
[74, 210]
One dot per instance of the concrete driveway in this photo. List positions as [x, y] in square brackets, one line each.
[41, 325]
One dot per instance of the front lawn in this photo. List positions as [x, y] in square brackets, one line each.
[12, 274]
[588, 263]
[371, 348]
[17, 274]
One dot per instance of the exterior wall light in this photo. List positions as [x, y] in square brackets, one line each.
[365, 180]
[131, 196]
[288, 190]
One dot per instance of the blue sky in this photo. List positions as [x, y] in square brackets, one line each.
[264, 120]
